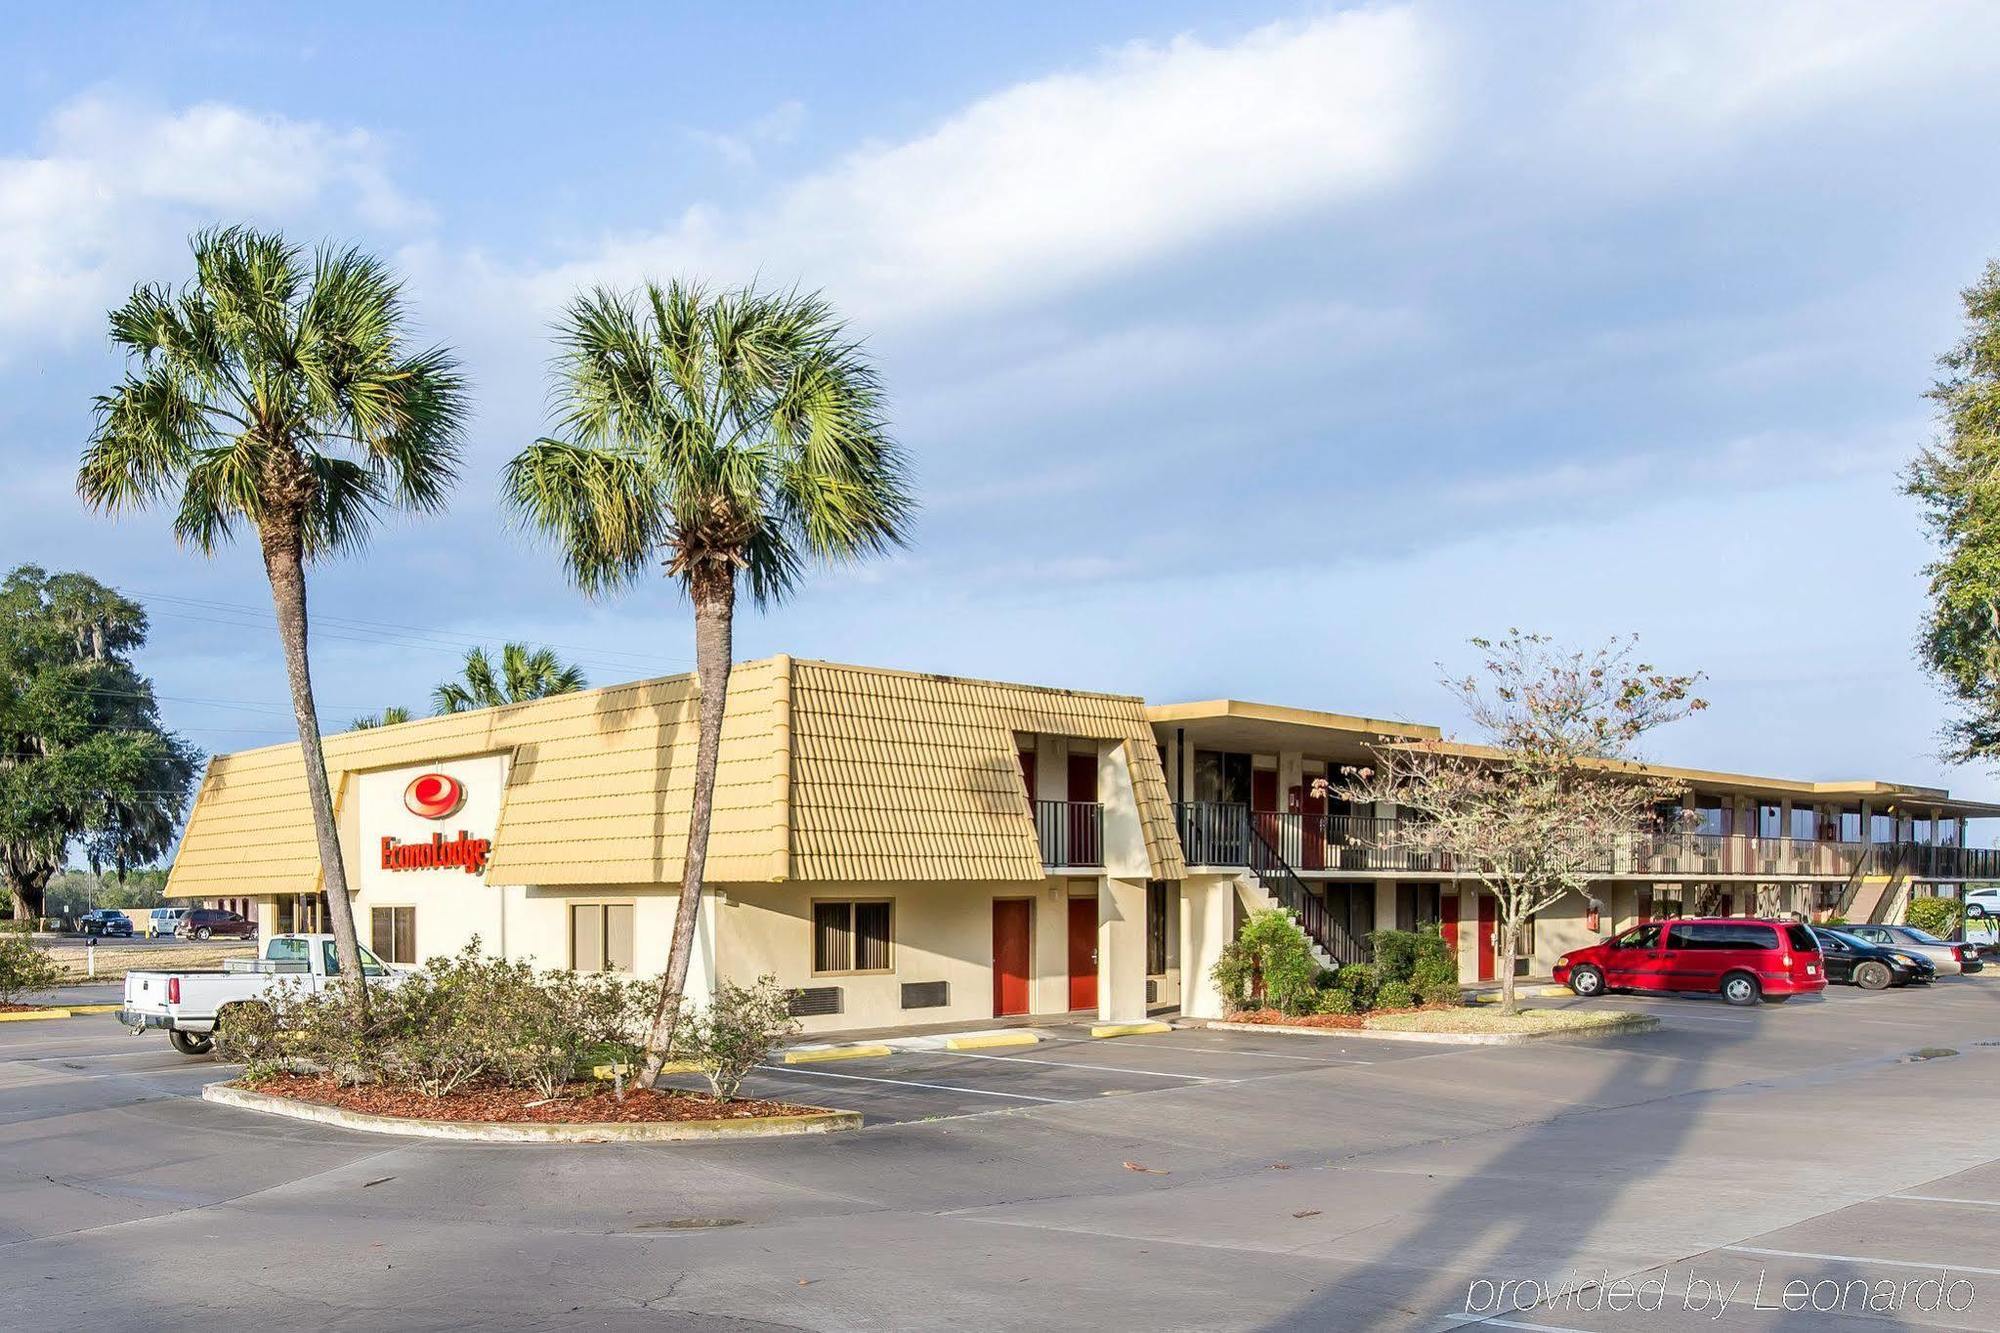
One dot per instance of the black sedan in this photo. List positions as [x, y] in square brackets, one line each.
[106, 922]
[1853, 961]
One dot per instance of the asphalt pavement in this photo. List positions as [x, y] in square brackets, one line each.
[1194, 1179]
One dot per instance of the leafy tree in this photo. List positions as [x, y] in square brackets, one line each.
[1534, 813]
[1957, 482]
[523, 674]
[388, 717]
[731, 437]
[84, 761]
[277, 389]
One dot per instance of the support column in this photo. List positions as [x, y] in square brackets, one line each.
[1208, 920]
[267, 919]
[1121, 950]
[1385, 904]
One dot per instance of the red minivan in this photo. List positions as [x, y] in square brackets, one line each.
[1741, 958]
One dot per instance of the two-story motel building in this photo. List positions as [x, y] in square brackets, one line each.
[910, 849]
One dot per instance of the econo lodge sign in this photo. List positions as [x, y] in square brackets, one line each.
[436, 796]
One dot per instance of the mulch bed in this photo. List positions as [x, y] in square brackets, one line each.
[11, 1008]
[581, 1103]
[1279, 1018]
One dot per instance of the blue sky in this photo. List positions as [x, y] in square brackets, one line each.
[1268, 354]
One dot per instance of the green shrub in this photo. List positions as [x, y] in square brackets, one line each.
[24, 967]
[1940, 916]
[1395, 995]
[1270, 949]
[1395, 953]
[1440, 992]
[1358, 981]
[735, 1032]
[1334, 1000]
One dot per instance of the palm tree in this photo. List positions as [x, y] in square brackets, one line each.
[524, 674]
[731, 436]
[388, 717]
[277, 389]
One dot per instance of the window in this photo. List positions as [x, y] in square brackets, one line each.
[851, 937]
[371, 966]
[1720, 936]
[600, 937]
[285, 951]
[394, 933]
[1156, 928]
[1802, 939]
[1645, 937]
[1416, 906]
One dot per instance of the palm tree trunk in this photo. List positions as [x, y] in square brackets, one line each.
[714, 633]
[284, 563]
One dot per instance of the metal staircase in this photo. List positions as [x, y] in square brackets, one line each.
[1334, 946]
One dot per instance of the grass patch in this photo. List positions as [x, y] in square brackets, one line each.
[113, 961]
[1485, 1020]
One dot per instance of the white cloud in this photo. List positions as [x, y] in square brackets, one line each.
[1054, 182]
[775, 128]
[115, 189]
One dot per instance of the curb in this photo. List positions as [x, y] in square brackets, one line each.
[1526, 992]
[812, 1055]
[1638, 1025]
[1128, 1029]
[979, 1041]
[676, 1131]
[31, 1015]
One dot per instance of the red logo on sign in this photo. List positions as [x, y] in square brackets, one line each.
[434, 796]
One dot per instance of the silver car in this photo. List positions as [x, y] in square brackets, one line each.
[1949, 957]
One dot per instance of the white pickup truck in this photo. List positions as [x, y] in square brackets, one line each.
[189, 1004]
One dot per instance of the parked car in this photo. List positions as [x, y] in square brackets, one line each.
[1742, 959]
[190, 1005]
[203, 922]
[1854, 961]
[1945, 955]
[106, 922]
[162, 920]
[1982, 903]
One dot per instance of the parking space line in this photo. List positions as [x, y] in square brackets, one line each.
[1859, 1259]
[907, 1083]
[1222, 1048]
[1940, 1198]
[1074, 1064]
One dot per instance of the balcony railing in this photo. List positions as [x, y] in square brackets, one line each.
[1071, 832]
[1213, 834]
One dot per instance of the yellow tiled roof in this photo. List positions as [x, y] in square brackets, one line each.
[826, 773]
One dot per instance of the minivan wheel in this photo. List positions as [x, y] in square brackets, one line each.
[190, 1043]
[1977, 911]
[202, 932]
[1873, 976]
[1586, 981]
[1741, 988]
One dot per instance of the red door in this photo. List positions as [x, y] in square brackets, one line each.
[1448, 921]
[1311, 810]
[1010, 955]
[1489, 915]
[1083, 824]
[1264, 805]
[1083, 953]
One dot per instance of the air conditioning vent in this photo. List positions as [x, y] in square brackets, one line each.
[1152, 991]
[926, 994]
[815, 1001]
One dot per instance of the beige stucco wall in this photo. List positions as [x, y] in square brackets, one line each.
[938, 932]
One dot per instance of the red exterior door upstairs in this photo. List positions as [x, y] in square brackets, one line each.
[1311, 808]
[1083, 953]
[1083, 824]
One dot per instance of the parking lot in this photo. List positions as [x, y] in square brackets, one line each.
[1190, 1179]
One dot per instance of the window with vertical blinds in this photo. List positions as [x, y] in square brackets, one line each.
[851, 937]
[393, 932]
[600, 937]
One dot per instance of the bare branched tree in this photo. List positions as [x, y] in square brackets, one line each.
[1540, 810]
